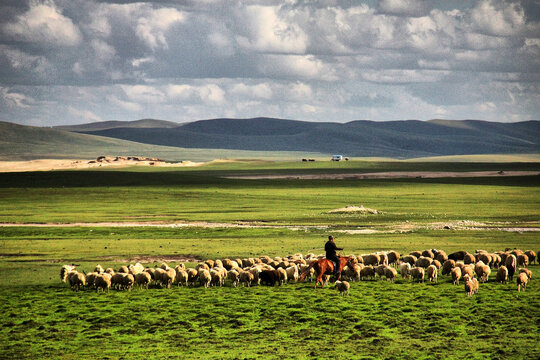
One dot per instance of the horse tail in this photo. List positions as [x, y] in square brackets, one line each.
[306, 271]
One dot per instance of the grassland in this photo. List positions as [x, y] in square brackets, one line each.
[42, 318]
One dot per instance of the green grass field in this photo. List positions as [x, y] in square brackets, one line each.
[42, 318]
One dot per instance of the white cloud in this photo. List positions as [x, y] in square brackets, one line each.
[210, 93]
[498, 18]
[44, 24]
[259, 91]
[126, 105]
[269, 30]
[14, 99]
[143, 93]
[151, 27]
[83, 115]
[403, 76]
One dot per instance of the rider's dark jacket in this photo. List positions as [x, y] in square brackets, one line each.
[330, 247]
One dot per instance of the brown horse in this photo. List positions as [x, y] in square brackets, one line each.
[326, 267]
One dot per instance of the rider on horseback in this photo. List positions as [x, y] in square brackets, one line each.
[330, 247]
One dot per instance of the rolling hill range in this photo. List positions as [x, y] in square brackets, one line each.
[397, 139]
[18, 142]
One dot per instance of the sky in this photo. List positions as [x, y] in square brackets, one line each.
[79, 61]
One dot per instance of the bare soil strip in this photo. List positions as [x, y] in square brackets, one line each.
[388, 175]
[462, 225]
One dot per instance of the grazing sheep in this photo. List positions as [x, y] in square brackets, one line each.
[522, 280]
[416, 254]
[164, 266]
[233, 276]
[205, 278]
[157, 275]
[526, 271]
[127, 281]
[90, 278]
[390, 273]
[102, 282]
[292, 273]
[467, 270]
[343, 287]
[99, 269]
[522, 260]
[502, 274]
[270, 277]
[367, 271]
[469, 259]
[428, 254]
[405, 269]
[495, 260]
[76, 280]
[383, 258]
[168, 277]
[441, 256]
[216, 278]
[143, 279]
[470, 286]
[485, 258]
[531, 255]
[431, 273]
[283, 276]
[65, 270]
[181, 276]
[482, 271]
[437, 264]
[135, 269]
[379, 270]
[447, 267]
[245, 278]
[511, 264]
[202, 266]
[109, 271]
[417, 273]
[458, 255]
[423, 262]
[410, 259]
[123, 269]
[371, 259]
[192, 276]
[456, 275]
[393, 257]
[116, 280]
[210, 263]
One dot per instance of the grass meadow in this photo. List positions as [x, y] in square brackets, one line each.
[42, 318]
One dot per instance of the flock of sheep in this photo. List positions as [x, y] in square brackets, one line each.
[460, 265]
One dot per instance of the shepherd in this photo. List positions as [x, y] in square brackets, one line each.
[327, 266]
[330, 247]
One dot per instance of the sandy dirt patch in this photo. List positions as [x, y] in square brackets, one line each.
[65, 164]
[462, 225]
[388, 175]
[354, 209]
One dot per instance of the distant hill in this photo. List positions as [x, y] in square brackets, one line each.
[362, 138]
[105, 125]
[19, 142]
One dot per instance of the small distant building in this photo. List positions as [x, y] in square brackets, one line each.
[337, 157]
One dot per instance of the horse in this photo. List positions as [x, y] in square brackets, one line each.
[326, 267]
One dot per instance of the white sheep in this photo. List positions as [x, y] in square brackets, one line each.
[404, 269]
[432, 273]
[204, 278]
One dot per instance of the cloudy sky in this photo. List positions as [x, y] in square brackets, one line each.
[78, 61]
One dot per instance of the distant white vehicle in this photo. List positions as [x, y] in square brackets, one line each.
[337, 157]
